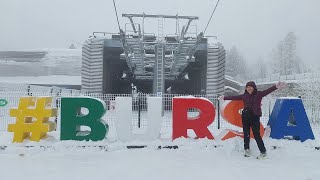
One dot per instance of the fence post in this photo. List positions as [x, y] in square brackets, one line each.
[269, 108]
[57, 106]
[139, 109]
[28, 90]
[218, 114]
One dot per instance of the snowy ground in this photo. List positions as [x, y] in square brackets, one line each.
[195, 159]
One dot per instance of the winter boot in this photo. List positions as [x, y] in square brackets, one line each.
[262, 156]
[247, 153]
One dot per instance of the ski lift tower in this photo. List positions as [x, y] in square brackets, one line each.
[170, 53]
[182, 61]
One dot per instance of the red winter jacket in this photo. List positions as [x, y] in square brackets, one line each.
[253, 100]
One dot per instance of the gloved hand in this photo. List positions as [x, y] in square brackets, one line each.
[281, 85]
[221, 98]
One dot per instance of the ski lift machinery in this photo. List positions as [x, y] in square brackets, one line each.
[179, 62]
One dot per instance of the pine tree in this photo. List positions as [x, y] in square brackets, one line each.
[285, 58]
[259, 69]
[289, 53]
[235, 64]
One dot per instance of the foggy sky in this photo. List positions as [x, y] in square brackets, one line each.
[254, 26]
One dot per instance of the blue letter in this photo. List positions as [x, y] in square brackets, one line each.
[290, 110]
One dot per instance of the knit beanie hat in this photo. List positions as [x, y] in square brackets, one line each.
[252, 84]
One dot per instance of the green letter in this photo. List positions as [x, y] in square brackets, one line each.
[72, 119]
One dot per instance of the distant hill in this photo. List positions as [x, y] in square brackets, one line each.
[26, 56]
[40, 62]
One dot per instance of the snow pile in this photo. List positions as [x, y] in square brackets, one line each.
[194, 159]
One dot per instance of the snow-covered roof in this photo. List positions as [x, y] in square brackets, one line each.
[228, 87]
[229, 78]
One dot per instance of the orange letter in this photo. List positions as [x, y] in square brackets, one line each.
[231, 112]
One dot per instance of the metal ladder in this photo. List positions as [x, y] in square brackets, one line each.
[160, 29]
[159, 64]
[159, 75]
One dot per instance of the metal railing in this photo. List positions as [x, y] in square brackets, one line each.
[29, 89]
[278, 77]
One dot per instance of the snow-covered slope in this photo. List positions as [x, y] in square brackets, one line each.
[30, 63]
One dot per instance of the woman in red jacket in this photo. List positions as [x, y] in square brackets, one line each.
[251, 114]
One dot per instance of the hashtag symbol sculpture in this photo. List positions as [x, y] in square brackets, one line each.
[32, 118]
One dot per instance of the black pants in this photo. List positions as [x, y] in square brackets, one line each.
[253, 121]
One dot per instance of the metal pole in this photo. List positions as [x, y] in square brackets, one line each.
[143, 28]
[211, 16]
[115, 10]
[58, 101]
[28, 90]
[218, 114]
[139, 109]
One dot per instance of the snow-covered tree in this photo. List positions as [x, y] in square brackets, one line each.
[72, 46]
[285, 58]
[259, 69]
[289, 53]
[309, 91]
[236, 66]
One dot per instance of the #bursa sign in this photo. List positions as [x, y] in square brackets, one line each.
[32, 119]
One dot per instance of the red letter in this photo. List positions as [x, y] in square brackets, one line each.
[181, 121]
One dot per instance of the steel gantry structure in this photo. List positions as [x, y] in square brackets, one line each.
[183, 61]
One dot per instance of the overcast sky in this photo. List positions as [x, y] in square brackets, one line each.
[253, 26]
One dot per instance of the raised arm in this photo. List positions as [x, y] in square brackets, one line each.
[279, 85]
[268, 91]
[239, 97]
